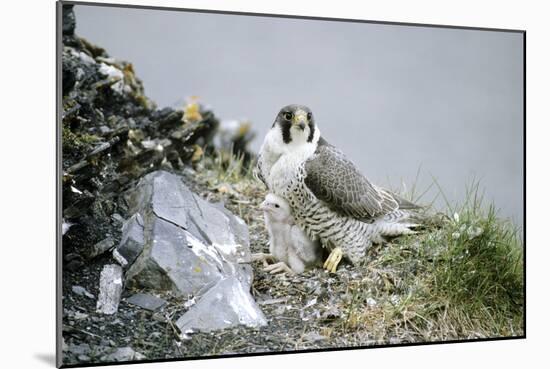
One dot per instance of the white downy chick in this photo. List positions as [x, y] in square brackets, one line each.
[288, 243]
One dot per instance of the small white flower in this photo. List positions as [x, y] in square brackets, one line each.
[455, 235]
[456, 217]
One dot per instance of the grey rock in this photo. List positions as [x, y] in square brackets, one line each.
[117, 218]
[132, 241]
[123, 354]
[119, 258]
[185, 243]
[227, 304]
[83, 358]
[82, 349]
[101, 247]
[313, 337]
[146, 301]
[69, 21]
[175, 260]
[81, 291]
[110, 289]
[104, 130]
[176, 241]
[65, 226]
[169, 198]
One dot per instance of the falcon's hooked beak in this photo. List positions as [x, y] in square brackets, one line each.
[300, 119]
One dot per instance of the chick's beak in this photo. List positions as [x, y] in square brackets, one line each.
[300, 119]
[264, 206]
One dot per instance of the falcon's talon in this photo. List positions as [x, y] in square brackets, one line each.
[333, 260]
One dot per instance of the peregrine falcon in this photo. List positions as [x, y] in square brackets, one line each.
[329, 198]
[288, 243]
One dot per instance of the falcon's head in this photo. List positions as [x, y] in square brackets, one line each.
[296, 124]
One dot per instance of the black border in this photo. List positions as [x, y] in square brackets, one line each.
[59, 280]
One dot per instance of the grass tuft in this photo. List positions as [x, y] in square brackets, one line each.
[463, 279]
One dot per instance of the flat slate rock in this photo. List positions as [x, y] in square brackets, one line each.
[227, 304]
[146, 301]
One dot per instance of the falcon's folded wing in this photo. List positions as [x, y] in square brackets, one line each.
[337, 181]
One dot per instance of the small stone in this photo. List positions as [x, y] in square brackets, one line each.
[80, 316]
[146, 301]
[101, 247]
[83, 358]
[81, 291]
[65, 226]
[117, 218]
[313, 337]
[104, 130]
[123, 354]
[139, 356]
[81, 349]
[110, 289]
[119, 258]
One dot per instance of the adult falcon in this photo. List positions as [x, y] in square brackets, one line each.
[330, 199]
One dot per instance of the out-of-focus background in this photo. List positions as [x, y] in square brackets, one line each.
[398, 100]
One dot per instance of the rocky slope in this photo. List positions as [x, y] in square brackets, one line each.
[132, 228]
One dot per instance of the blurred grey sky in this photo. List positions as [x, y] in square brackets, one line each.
[394, 98]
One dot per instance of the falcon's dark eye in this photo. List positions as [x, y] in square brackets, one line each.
[309, 116]
[287, 115]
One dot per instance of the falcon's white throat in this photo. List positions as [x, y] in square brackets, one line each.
[282, 160]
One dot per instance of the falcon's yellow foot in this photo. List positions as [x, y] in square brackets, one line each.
[333, 260]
